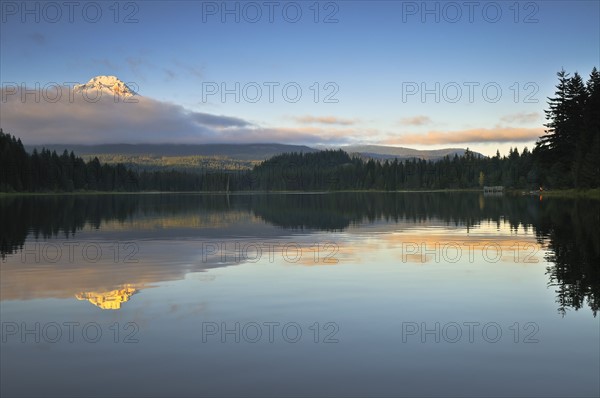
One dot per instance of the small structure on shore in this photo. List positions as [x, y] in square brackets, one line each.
[494, 189]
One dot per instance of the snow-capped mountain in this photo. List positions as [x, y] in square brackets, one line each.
[111, 84]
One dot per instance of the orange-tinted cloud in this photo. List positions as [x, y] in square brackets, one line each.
[481, 135]
[325, 120]
[521, 118]
[419, 120]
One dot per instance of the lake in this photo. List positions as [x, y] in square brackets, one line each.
[332, 294]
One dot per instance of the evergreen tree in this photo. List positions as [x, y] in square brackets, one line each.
[587, 160]
[551, 146]
[567, 155]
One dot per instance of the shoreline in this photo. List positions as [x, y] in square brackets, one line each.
[593, 193]
[563, 193]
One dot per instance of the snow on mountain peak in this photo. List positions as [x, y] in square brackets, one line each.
[107, 83]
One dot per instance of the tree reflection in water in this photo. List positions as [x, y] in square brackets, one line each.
[568, 227]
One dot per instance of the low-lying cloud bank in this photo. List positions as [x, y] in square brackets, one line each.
[482, 135]
[40, 118]
[96, 118]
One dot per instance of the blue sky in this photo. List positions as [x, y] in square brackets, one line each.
[365, 59]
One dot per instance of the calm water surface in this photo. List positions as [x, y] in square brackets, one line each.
[416, 294]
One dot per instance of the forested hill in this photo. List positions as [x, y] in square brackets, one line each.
[233, 151]
[336, 170]
[325, 170]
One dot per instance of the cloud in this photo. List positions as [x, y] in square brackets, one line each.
[415, 121]
[38, 38]
[521, 118]
[138, 64]
[191, 70]
[170, 74]
[325, 120]
[291, 135]
[40, 119]
[105, 62]
[178, 70]
[72, 119]
[207, 119]
[481, 135]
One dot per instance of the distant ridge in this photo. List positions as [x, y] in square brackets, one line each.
[234, 151]
[260, 151]
[391, 152]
